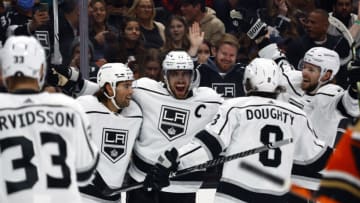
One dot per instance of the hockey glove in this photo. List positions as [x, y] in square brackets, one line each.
[246, 21]
[66, 78]
[158, 176]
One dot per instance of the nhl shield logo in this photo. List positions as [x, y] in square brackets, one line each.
[114, 143]
[173, 122]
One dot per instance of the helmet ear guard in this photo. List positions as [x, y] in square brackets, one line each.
[23, 56]
[262, 75]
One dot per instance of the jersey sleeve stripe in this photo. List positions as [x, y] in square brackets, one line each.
[295, 103]
[96, 112]
[341, 107]
[85, 174]
[140, 164]
[96, 189]
[291, 85]
[191, 151]
[87, 137]
[240, 193]
[210, 142]
[312, 169]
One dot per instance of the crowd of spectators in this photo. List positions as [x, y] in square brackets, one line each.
[124, 30]
[140, 33]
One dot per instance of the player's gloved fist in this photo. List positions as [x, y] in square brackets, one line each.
[71, 73]
[248, 21]
[68, 78]
[354, 73]
[158, 176]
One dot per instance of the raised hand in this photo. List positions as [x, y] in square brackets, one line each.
[196, 37]
[39, 18]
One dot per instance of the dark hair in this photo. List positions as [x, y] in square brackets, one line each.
[335, 1]
[168, 45]
[150, 54]
[118, 52]
[320, 11]
[194, 3]
[92, 2]
[69, 6]
[209, 45]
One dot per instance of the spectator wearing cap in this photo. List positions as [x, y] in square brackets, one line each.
[22, 20]
[196, 11]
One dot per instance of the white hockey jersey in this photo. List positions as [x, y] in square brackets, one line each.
[327, 109]
[114, 134]
[248, 122]
[45, 148]
[330, 109]
[169, 122]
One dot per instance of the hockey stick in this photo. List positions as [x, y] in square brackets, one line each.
[349, 38]
[342, 29]
[262, 173]
[346, 34]
[294, 189]
[353, 50]
[207, 164]
[56, 57]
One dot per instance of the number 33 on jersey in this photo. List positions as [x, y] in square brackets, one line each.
[45, 151]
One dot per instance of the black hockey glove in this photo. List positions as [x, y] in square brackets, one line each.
[354, 74]
[158, 176]
[247, 21]
[68, 78]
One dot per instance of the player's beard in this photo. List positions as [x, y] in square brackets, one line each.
[310, 87]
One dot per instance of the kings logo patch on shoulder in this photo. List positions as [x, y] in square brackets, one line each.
[114, 143]
[173, 122]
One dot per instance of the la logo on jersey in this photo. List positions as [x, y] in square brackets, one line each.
[225, 89]
[173, 122]
[114, 143]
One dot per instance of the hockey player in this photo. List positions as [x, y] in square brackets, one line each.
[46, 151]
[117, 119]
[329, 107]
[173, 113]
[247, 122]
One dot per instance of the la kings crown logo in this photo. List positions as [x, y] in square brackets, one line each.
[114, 143]
[173, 122]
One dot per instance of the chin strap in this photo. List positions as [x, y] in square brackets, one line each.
[112, 99]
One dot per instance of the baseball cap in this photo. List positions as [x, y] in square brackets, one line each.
[25, 4]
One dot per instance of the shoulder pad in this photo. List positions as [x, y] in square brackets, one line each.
[330, 89]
